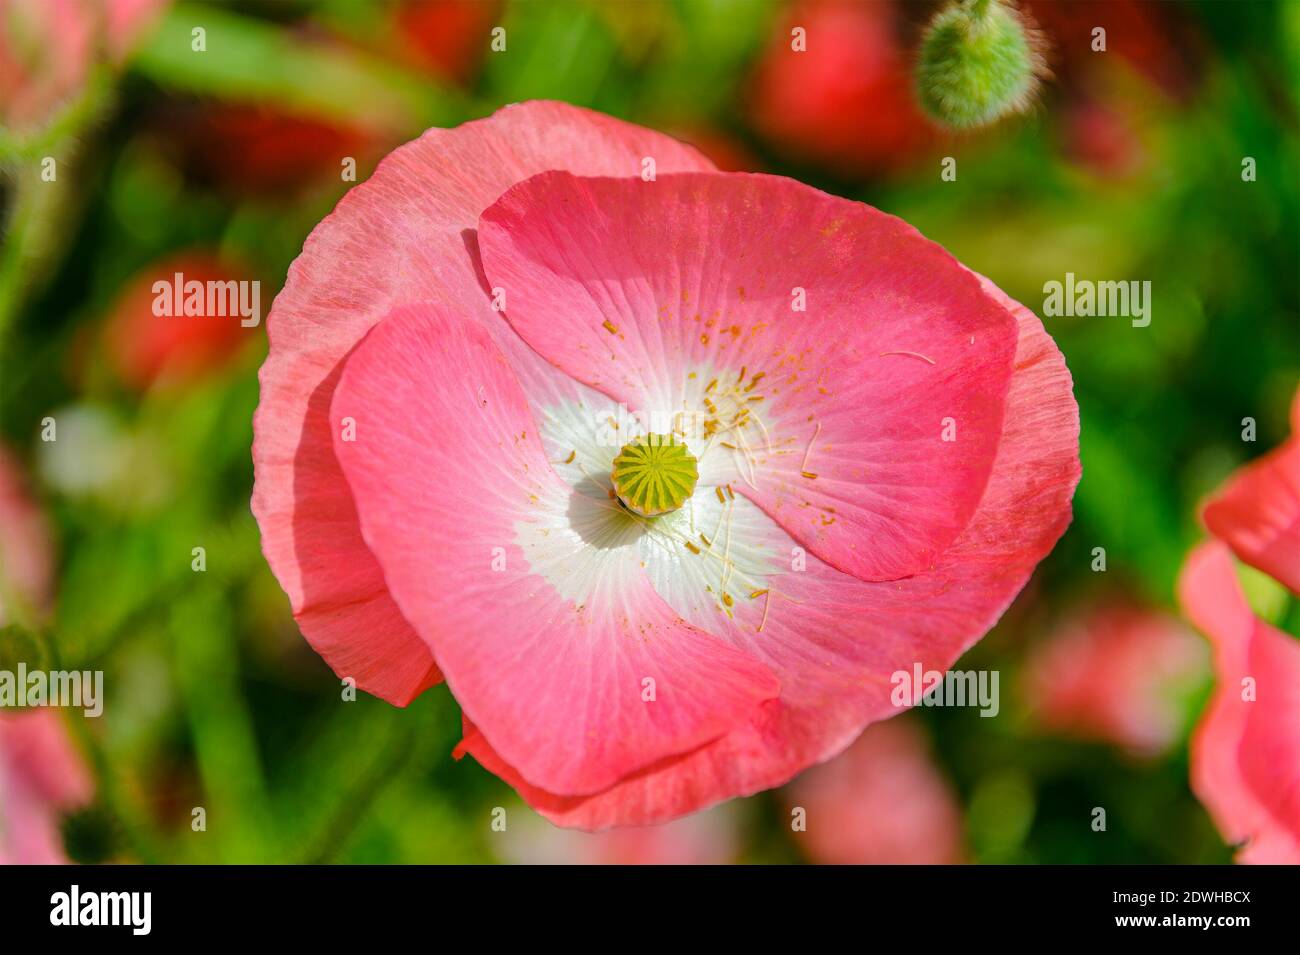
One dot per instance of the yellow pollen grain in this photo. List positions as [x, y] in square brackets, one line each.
[726, 599]
[757, 593]
[610, 327]
[721, 499]
[809, 475]
[572, 455]
[691, 547]
[711, 385]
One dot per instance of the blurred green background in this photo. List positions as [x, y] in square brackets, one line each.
[1129, 166]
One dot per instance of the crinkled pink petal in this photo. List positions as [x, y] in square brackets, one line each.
[41, 776]
[446, 467]
[1258, 514]
[405, 235]
[880, 802]
[880, 405]
[1251, 799]
[834, 642]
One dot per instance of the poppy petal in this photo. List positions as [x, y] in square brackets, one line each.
[405, 235]
[575, 669]
[849, 366]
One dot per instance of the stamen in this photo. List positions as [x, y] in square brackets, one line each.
[803, 467]
[909, 354]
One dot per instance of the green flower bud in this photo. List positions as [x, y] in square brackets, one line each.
[978, 63]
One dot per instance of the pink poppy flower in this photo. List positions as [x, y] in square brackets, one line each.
[706, 838]
[41, 777]
[1119, 675]
[1246, 750]
[881, 802]
[26, 555]
[434, 476]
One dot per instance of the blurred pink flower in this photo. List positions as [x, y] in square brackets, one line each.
[1102, 136]
[880, 802]
[1119, 675]
[41, 777]
[48, 48]
[1246, 750]
[26, 554]
[706, 838]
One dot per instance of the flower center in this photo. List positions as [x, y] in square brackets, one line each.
[654, 474]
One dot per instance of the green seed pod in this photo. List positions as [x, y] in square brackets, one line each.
[978, 63]
[654, 474]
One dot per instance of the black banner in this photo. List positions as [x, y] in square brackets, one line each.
[331, 904]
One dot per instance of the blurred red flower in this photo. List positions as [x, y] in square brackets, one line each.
[143, 347]
[847, 100]
[1152, 38]
[247, 149]
[446, 37]
[1116, 675]
[881, 802]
